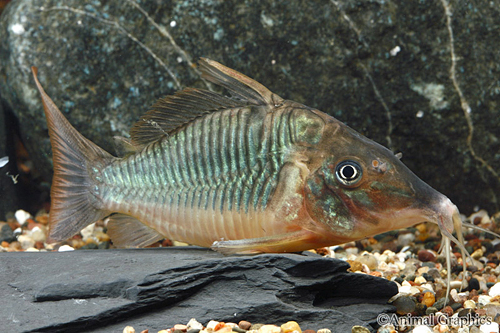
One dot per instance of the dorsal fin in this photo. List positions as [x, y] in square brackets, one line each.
[171, 112]
[239, 85]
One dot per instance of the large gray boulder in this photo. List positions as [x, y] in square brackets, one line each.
[104, 291]
[421, 77]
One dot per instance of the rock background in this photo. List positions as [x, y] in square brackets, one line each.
[104, 291]
[383, 67]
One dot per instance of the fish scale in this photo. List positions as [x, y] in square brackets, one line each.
[168, 165]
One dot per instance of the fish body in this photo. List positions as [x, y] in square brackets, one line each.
[248, 173]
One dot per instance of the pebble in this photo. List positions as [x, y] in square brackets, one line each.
[38, 234]
[420, 280]
[429, 299]
[290, 327]
[22, 216]
[6, 233]
[483, 300]
[369, 260]
[489, 328]
[404, 305]
[430, 310]
[422, 329]
[356, 266]
[269, 329]
[473, 284]
[359, 329]
[65, 248]
[426, 255]
[469, 304]
[129, 329]
[26, 241]
[440, 303]
[256, 327]
[194, 324]
[244, 325]
[180, 327]
[477, 254]
[324, 330]
[495, 290]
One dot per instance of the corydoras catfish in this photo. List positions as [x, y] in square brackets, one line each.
[247, 173]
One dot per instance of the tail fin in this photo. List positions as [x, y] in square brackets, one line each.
[74, 205]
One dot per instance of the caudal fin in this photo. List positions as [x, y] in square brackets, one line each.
[74, 204]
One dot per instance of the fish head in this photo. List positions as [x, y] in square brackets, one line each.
[360, 188]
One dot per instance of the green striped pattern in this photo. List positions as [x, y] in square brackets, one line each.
[224, 161]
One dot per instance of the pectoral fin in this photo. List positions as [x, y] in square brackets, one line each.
[288, 242]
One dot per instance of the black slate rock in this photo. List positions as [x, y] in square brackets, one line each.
[104, 291]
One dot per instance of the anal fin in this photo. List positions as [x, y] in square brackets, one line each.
[127, 231]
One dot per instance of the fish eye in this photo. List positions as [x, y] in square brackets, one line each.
[348, 173]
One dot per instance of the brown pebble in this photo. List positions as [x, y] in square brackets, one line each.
[16, 246]
[39, 245]
[145, 331]
[481, 312]
[308, 331]
[374, 273]
[323, 251]
[245, 325]
[355, 265]
[426, 255]
[447, 310]
[5, 244]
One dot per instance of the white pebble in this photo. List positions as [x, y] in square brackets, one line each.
[194, 324]
[457, 284]
[482, 300]
[469, 304]
[32, 249]
[211, 324]
[26, 241]
[422, 329]
[37, 234]
[489, 328]
[22, 216]
[129, 329]
[420, 280]
[352, 250]
[88, 231]
[427, 286]
[65, 248]
[495, 290]
[406, 239]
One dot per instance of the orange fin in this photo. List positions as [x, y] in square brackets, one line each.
[73, 204]
[127, 231]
